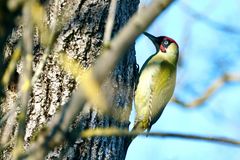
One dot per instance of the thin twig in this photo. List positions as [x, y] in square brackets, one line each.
[11, 66]
[217, 84]
[52, 38]
[110, 22]
[25, 79]
[108, 132]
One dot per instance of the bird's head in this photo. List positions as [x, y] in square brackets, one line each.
[165, 46]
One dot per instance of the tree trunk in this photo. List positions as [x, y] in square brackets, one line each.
[81, 38]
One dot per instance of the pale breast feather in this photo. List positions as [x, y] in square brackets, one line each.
[145, 86]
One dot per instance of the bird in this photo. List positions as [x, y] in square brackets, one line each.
[156, 82]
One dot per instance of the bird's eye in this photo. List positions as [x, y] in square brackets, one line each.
[165, 42]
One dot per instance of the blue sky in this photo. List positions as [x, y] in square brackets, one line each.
[207, 51]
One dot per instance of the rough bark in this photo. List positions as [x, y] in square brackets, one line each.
[81, 38]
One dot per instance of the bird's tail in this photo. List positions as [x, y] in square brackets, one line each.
[141, 125]
[136, 127]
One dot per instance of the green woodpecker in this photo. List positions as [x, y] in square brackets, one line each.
[156, 82]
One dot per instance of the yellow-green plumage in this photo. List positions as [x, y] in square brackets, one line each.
[155, 87]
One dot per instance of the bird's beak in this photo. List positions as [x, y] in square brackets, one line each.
[153, 39]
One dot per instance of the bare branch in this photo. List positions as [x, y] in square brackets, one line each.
[89, 86]
[218, 83]
[121, 132]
